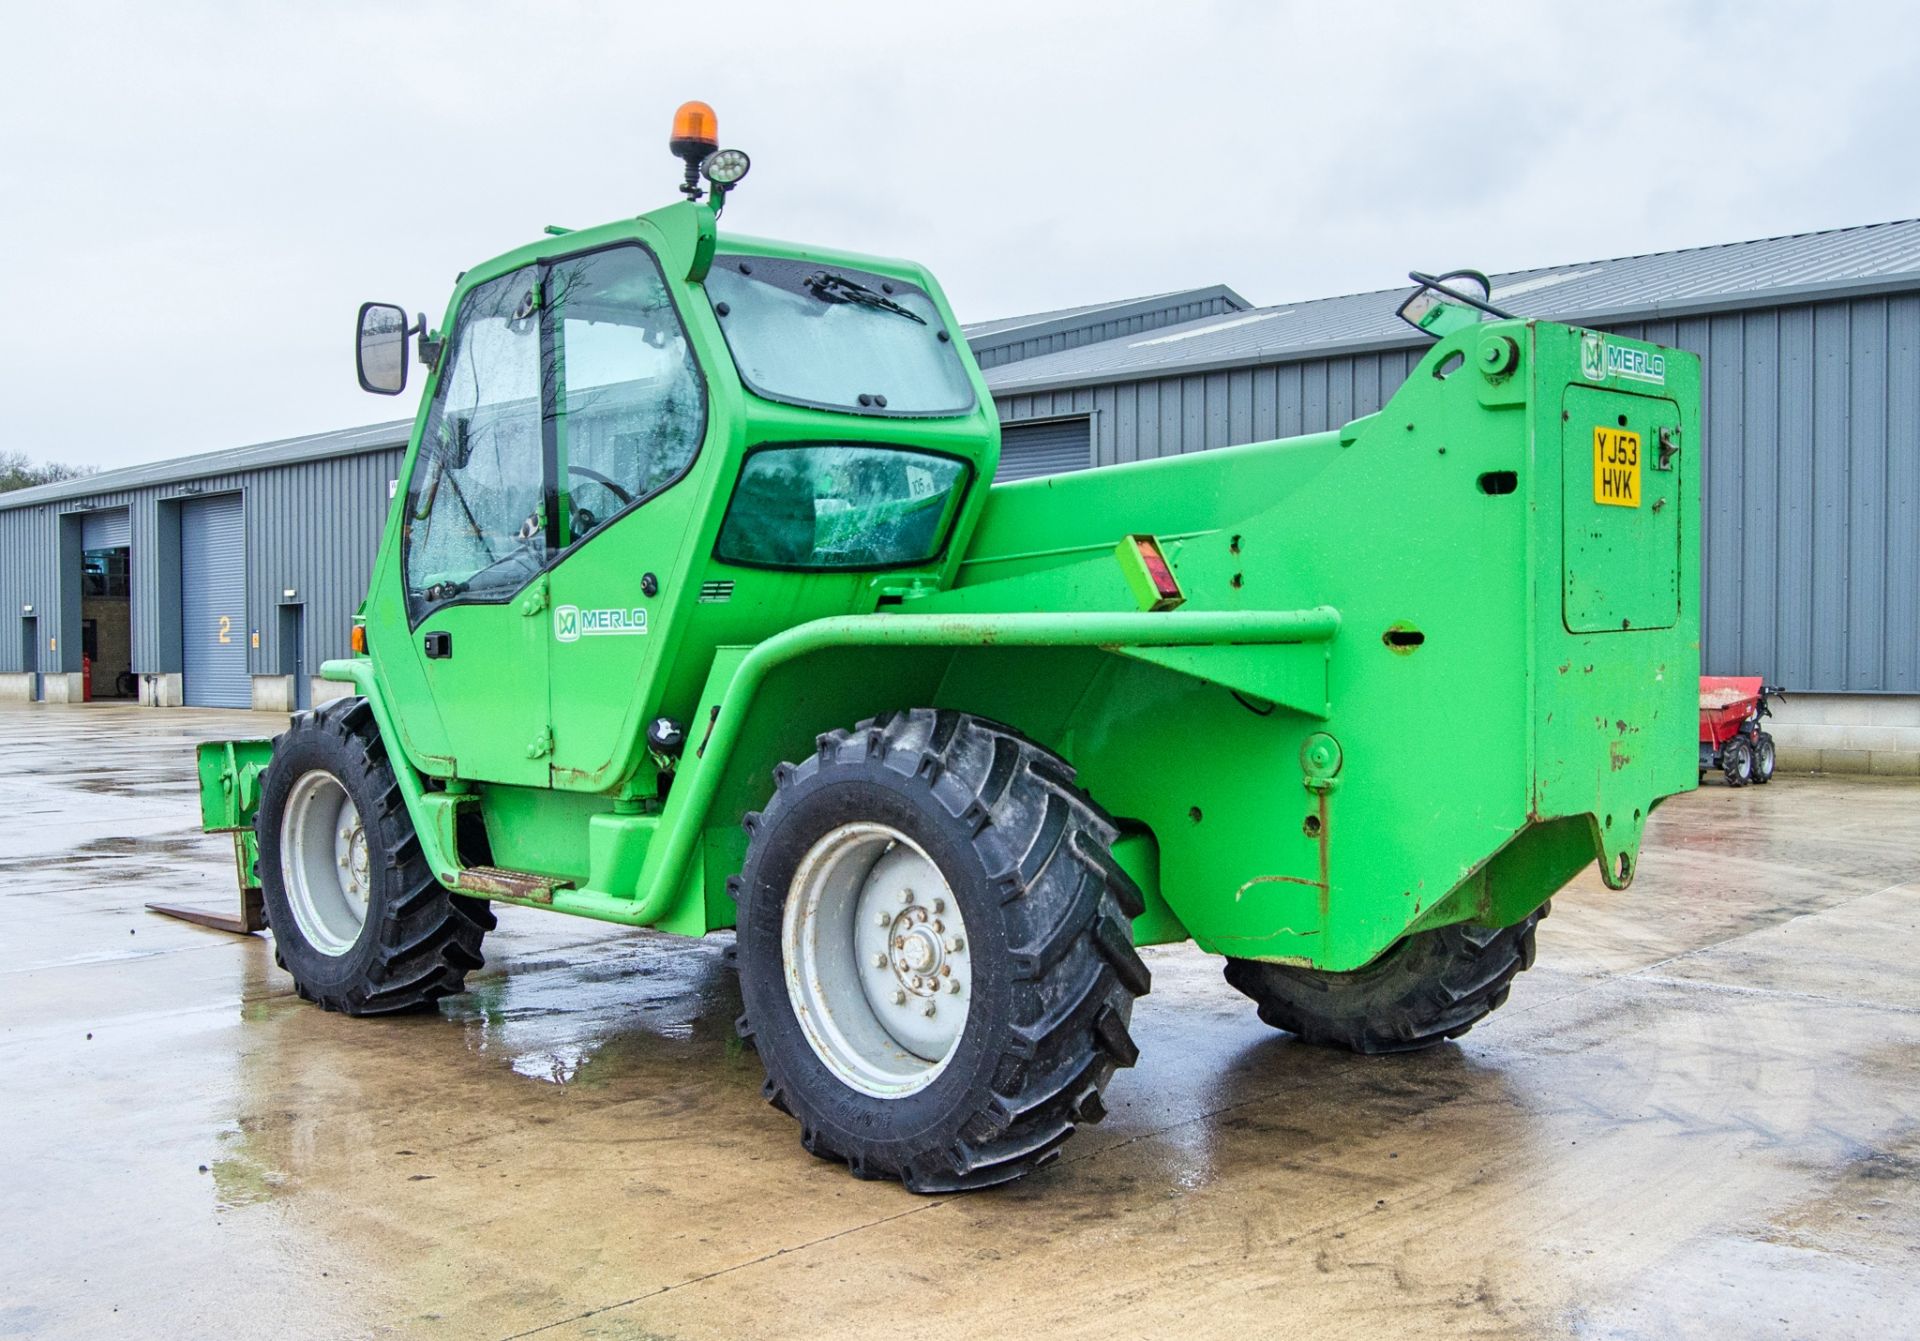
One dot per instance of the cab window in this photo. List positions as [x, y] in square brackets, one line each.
[840, 505]
[586, 353]
[633, 408]
[837, 338]
[474, 520]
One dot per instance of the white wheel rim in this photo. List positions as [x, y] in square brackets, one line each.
[324, 865]
[878, 965]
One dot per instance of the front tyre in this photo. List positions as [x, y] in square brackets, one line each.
[357, 918]
[935, 951]
[1762, 759]
[1427, 988]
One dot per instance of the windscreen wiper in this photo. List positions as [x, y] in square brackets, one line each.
[831, 288]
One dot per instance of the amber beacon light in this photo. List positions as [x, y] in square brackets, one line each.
[696, 133]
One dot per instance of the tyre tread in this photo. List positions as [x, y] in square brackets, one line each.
[1431, 987]
[1046, 846]
[430, 937]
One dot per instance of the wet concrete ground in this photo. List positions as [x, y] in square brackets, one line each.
[1699, 1116]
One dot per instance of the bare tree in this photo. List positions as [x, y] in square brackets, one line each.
[17, 472]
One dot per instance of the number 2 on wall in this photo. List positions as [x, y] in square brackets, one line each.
[226, 628]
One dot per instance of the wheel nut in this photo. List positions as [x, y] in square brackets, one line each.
[956, 944]
[928, 1012]
[880, 959]
[899, 997]
[939, 905]
[906, 896]
[954, 986]
[882, 920]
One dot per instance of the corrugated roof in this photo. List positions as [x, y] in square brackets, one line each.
[284, 451]
[982, 335]
[978, 330]
[1798, 268]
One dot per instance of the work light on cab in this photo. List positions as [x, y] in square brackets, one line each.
[724, 167]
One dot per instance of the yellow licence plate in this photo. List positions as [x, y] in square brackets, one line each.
[1616, 467]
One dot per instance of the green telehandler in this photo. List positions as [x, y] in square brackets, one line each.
[697, 608]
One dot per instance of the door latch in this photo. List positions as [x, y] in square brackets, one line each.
[1669, 448]
[437, 646]
[542, 744]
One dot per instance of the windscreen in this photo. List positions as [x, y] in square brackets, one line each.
[808, 333]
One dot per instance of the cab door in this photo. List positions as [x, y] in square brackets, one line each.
[632, 412]
[478, 537]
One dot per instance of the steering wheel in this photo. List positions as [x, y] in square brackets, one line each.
[620, 493]
[584, 519]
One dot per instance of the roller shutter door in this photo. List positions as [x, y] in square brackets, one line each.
[213, 603]
[1046, 448]
[112, 529]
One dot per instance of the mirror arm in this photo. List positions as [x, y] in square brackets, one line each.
[429, 347]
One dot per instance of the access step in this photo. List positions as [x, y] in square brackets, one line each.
[498, 883]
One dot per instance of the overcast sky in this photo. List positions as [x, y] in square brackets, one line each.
[195, 196]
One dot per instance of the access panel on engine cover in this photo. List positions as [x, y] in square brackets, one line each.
[1621, 466]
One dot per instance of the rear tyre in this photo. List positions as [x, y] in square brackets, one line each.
[1736, 762]
[935, 950]
[1762, 759]
[1425, 989]
[357, 918]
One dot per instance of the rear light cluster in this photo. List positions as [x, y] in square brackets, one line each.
[1148, 573]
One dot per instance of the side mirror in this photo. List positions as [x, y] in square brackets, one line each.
[381, 351]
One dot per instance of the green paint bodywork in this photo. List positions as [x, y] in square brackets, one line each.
[1420, 676]
[230, 773]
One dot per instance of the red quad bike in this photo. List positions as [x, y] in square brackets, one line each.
[1731, 740]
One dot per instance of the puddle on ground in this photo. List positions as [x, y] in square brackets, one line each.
[659, 1000]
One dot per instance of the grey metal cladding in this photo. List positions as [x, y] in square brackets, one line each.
[209, 465]
[313, 525]
[1810, 537]
[29, 550]
[1140, 420]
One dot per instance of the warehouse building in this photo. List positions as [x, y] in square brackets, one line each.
[215, 581]
[224, 579]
